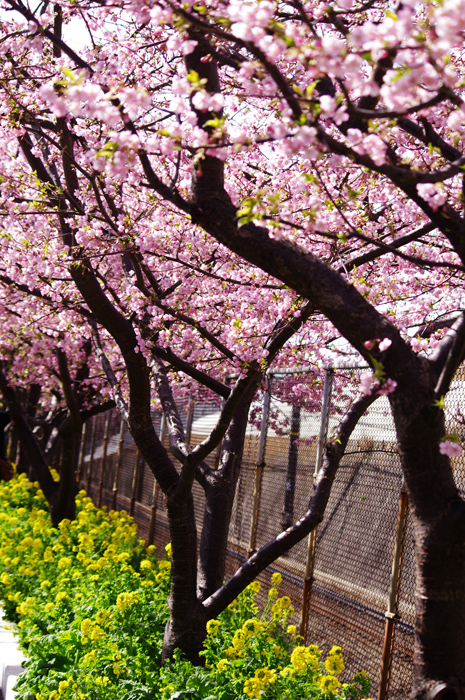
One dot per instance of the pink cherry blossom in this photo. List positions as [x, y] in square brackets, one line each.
[385, 344]
[450, 448]
[367, 382]
[388, 387]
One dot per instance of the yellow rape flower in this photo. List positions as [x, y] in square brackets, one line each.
[254, 587]
[221, 665]
[302, 657]
[284, 602]
[252, 627]
[276, 579]
[102, 680]
[86, 625]
[96, 633]
[334, 663]
[314, 650]
[48, 555]
[329, 684]
[62, 686]
[102, 616]
[239, 639]
[125, 600]
[265, 675]
[64, 563]
[212, 627]
[90, 657]
[252, 688]
[287, 672]
[335, 650]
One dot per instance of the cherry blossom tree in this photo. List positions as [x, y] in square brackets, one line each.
[47, 383]
[222, 186]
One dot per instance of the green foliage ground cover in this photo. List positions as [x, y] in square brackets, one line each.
[90, 605]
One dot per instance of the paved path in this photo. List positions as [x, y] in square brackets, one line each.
[11, 659]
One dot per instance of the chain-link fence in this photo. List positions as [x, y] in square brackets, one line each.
[352, 581]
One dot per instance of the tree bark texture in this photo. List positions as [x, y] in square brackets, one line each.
[219, 503]
[185, 629]
[439, 529]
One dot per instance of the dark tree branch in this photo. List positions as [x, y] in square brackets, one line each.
[96, 409]
[217, 602]
[177, 438]
[451, 353]
[380, 248]
[286, 332]
[167, 355]
[56, 40]
[203, 332]
[445, 218]
[109, 373]
[65, 378]
[85, 313]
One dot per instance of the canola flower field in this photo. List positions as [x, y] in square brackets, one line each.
[90, 605]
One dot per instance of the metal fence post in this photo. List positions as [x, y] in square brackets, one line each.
[153, 510]
[311, 542]
[118, 463]
[260, 467]
[292, 458]
[393, 601]
[103, 459]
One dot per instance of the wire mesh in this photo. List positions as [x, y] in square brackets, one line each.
[354, 550]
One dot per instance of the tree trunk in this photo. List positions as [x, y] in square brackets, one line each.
[186, 628]
[23, 465]
[439, 525]
[63, 505]
[219, 503]
[439, 666]
[214, 539]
